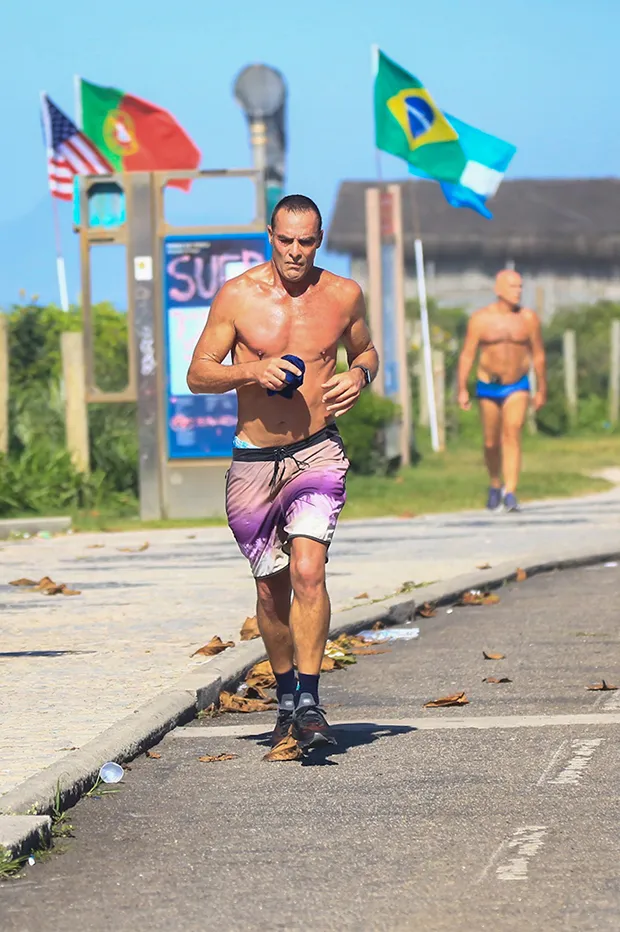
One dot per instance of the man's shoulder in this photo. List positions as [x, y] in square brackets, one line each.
[246, 283]
[528, 313]
[345, 288]
[479, 315]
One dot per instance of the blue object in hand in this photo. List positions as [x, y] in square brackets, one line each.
[293, 382]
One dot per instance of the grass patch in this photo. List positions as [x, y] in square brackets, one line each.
[456, 479]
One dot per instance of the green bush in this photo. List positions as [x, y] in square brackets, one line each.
[362, 429]
[42, 479]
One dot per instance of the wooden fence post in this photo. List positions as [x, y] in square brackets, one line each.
[4, 384]
[570, 373]
[76, 410]
[439, 381]
[614, 373]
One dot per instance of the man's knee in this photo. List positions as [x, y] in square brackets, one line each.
[511, 434]
[491, 444]
[308, 572]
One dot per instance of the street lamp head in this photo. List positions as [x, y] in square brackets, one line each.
[260, 90]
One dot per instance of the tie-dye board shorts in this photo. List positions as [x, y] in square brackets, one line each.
[274, 494]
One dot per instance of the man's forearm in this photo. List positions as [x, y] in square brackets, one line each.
[369, 359]
[207, 377]
[464, 368]
[540, 370]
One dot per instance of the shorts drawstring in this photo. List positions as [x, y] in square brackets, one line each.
[280, 455]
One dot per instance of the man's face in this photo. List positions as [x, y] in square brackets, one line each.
[509, 287]
[295, 238]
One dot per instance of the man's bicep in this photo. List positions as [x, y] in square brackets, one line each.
[356, 337]
[218, 336]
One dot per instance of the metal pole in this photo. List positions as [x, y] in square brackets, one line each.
[426, 344]
[439, 377]
[373, 259]
[258, 141]
[404, 391]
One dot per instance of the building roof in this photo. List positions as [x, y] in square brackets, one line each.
[559, 218]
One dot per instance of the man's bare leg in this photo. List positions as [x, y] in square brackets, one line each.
[491, 416]
[513, 418]
[273, 606]
[310, 609]
[310, 614]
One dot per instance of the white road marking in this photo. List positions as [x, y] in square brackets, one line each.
[551, 764]
[525, 843]
[200, 732]
[612, 704]
[575, 768]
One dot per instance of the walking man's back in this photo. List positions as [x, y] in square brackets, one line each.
[508, 339]
[283, 321]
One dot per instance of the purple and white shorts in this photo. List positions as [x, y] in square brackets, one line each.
[274, 494]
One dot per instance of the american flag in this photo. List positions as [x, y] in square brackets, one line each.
[69, 152]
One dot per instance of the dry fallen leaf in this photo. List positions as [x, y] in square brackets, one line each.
[496, 679]
[261, 676]
[249, 630]
[603, 686]
[70, 748]
[407, 514]
[287, 749]
[45, 583]
[47, 586]
[24, 582]
[473, 597]
[94, 546]
[230, 702]
[521, 575]
[215, 646]
[427, 610]
[457, 699]
[191, 537]
[362, 595]
[328, 664]
[489, 655]
[140, 549]
[483, 566]
[366, 651]
[154, 755]
[378, 626]
[212, 758]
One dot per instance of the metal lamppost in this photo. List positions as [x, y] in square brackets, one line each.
[261, 92]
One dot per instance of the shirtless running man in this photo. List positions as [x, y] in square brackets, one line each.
[509, 339]
[286, 485]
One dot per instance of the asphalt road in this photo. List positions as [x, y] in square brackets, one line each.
[502, 814]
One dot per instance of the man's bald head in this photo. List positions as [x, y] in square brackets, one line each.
[508, 286]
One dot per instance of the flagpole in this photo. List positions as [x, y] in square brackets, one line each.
[427, 351]
[77, 101]
[61, 271]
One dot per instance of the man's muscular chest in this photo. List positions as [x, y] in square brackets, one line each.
[501, 328]
[310, 329]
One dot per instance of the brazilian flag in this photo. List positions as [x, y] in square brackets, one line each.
[409, 124]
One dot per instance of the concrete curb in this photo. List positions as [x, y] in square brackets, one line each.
[32, 526]
[75, 774]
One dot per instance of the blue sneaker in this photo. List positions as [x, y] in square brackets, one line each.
[494, 501]
[511, 503]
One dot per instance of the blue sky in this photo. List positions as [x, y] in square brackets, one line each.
[537, 73]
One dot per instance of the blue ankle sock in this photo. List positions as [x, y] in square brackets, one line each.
[286, 683]
[308, 683]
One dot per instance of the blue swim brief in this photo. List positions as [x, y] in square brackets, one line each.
[497, 392]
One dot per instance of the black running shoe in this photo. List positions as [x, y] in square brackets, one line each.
[286, 708]
[310, 728]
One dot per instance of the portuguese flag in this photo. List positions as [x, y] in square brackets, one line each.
[135, 135]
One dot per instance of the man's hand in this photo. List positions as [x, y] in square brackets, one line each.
[271, 373]
[463, 400]
[540, 399]
[343, 390]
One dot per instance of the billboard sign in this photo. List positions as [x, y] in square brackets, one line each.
[195, 268]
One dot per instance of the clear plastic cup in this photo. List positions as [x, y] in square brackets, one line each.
[111, 772]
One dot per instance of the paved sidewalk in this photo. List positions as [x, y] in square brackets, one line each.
[72, 666]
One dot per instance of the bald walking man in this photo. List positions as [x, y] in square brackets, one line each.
[508, 339]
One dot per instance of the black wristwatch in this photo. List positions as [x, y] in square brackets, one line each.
[366, 371]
